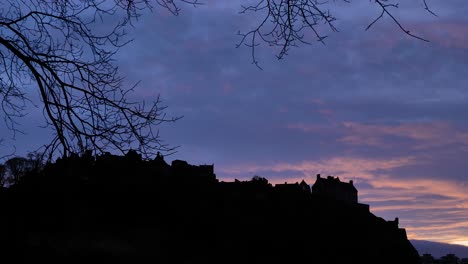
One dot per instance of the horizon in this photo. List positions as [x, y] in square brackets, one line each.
[377, 107]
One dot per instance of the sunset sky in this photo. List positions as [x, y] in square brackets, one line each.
[377, 107]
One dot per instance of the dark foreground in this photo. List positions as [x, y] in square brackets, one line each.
[125, 210]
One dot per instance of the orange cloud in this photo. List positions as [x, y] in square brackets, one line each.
[442, 220]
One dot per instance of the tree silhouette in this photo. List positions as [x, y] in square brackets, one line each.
[54, 47]
[16, 168]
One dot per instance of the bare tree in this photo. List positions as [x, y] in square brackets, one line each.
[53, 46]
[285, 23]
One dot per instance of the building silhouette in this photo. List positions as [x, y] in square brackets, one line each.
[332, 187]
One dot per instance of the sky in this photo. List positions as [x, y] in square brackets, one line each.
[377, 107]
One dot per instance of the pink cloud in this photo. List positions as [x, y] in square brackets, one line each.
[227, 88]
[421, 136]
[183, 88]
[319, 102]
[424, 135]
[347, 168]
[304, 127]
[283, 109]
[448, 34]
[309, 71]
[323, 109]
[327, 113]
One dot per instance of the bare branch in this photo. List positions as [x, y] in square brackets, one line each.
[385, 10]
[426, 6]
[288, 23]
[284, 24]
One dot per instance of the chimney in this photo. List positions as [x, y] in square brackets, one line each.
[351, 182]
[318, 176]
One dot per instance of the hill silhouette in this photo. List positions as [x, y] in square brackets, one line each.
[126, 210]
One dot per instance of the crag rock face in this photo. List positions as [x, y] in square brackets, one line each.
[125, 210]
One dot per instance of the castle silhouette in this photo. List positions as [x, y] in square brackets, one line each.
[122, 209]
